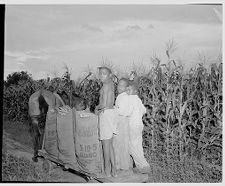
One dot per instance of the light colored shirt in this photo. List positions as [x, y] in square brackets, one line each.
[138, 110]
[121, 104]
[132, 106]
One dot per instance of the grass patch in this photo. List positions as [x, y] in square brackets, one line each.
[18, 131]
[186, 171]
[20, 169]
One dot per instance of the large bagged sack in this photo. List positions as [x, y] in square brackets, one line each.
[33, 104]
[49, 98]
[65, 131]
[59, 101]
[51, 138]
[40, 98]
[88, 149]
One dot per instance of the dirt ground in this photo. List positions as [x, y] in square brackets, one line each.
[58, 174]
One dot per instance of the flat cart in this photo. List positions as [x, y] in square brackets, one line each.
[50, 161]
[123, 177]
[88, 147]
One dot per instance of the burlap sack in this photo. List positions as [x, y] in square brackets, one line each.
[87, 144]
[59, 101]
[33, 104]
[51, 137]
[65, 131]
[49, 98]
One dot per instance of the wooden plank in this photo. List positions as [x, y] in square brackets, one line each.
[123, 176]
[44, 154]
[129, 177]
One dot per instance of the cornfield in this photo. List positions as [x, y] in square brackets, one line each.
[184, 118]
[184, 110]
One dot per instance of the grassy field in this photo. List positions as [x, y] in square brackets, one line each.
[162, 170]
[16, 168]
[18, 131]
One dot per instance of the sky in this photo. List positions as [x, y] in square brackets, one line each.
[42, 39]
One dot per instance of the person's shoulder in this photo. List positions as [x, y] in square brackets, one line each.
[140, 101]
[122, 95]
[135, 98]
[138, 98]
[131, 98]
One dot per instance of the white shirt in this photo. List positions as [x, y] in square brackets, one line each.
[121, 104]
[137, 110]
[132, 106]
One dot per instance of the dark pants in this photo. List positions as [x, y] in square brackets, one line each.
[37, 126]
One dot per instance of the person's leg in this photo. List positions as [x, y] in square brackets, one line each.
[35, 139]
[116, 146]
[112, 158]
[41, 138]
[106, 154]
[138, 153]
[136, 148]
[126, 158]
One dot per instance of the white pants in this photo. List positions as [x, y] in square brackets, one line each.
[135, 146]
[121, 144]
[107, 124]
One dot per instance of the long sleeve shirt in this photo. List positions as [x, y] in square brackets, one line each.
[138, 110]
[132, 106]
[122, 102]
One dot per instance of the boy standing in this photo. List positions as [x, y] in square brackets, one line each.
[107, 119]
[137, 110]
[121, 140]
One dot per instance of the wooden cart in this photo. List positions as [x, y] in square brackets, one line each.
[123, 176]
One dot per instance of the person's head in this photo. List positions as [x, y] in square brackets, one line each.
[79, 103]
[132, 88]
[51, 88]
[104, 74]
[122, 85]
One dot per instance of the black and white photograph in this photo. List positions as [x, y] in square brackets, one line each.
[104, 92]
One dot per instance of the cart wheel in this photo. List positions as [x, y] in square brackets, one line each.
[46, 166]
